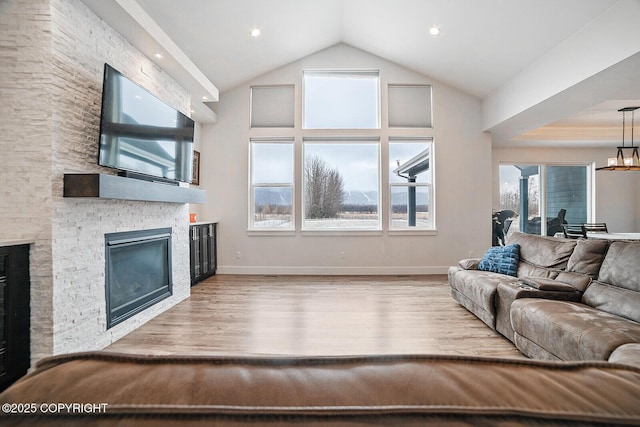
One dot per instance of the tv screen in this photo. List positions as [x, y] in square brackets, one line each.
[139, 133]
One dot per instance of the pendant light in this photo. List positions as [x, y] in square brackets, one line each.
[627, 158]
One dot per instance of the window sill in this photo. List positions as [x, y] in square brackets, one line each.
[271, 232]
[407, 232]
[277, 232]
[335, 232]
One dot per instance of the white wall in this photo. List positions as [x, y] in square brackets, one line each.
[605, 42]
[25, 143]
[462, 176]
[616, 193]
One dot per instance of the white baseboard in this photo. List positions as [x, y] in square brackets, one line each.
[332, 271]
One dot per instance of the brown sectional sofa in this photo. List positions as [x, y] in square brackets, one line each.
[569, 300]
[108, 389]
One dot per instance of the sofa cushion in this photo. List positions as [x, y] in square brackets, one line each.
[584, 263]
[617, 290]
[507, 293]
[501, 259]
[546, 284]
[587, 256]
[612, 299]
[543, 251]
[570, 330]
[532, 350]
[621, 266]
[577, 280]
[526, 269]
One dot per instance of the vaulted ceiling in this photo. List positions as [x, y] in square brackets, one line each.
[542, 68]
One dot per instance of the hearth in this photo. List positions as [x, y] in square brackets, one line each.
[138, 271]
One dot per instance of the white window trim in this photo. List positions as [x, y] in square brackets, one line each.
[591, 176]
[426, 185]
[430, 141]
[348, 72]
[391, 86]
[251, 105]
[251, 211]
[343, 231]
[383, 135]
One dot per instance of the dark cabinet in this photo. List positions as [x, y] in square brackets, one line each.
[203, 251]
[14, 314]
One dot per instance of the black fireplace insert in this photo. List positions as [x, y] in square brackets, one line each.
[138, 272]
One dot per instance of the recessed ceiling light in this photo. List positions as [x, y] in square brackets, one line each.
[255, 33]
[204, 98]
[158, 55]
[434, 31]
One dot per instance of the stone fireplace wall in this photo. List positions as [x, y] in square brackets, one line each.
[51, 85]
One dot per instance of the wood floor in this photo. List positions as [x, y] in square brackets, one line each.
[317, 315]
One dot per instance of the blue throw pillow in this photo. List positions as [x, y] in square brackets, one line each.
[501, 259]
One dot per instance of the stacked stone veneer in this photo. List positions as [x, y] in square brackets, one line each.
[52, 55]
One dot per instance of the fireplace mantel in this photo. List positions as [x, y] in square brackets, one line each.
[102, 186]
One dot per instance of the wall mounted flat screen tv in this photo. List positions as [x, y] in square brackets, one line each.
[142, 136]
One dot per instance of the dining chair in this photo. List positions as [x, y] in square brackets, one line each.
[594, 227]
[573, 231]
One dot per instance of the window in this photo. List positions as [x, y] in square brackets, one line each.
[263, 99]
[341, 100]
[409, 105]
[341, 185]
[561, 192]
[272, 184]
[341, 168]
[410, 182]
[566, 188]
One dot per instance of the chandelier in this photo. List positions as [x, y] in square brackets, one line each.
[622, 162]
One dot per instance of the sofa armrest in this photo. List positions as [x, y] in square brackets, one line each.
[469, 263]
[547, 284]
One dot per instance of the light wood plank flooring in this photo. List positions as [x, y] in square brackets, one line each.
[317, 316]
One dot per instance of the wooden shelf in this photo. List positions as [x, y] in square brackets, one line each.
[102, 186]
